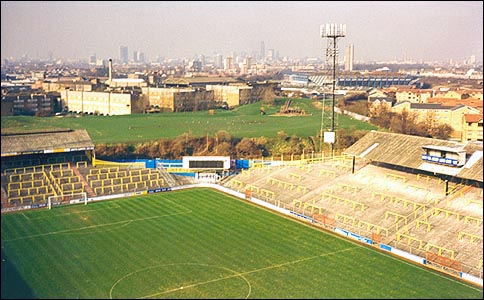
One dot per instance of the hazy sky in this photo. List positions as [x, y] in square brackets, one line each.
[433, 30]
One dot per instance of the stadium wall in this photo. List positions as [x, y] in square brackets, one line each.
[176, 163]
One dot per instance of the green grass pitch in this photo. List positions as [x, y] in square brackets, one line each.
[197, 243]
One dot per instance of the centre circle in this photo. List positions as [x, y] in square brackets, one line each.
[182, 280]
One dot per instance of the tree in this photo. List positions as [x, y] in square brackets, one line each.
[161, 148]
[422, 129]
[346, 138]
[181, 146]
[101, 150]
[442, 131]
[142, 150]
[246, 148]
[223, 148]
[268, 95]
[222, 136]
[403, 122]
[282, 135]
[380, 115]
[120, 150]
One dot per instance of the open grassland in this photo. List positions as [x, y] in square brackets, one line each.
[197, 243]
[244, 121]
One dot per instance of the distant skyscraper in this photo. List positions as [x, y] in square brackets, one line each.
[270, 54]
[262, 50]
[248, 62]
[101, 62]
[123, 54]
[350, 57]
[218, 61]
[473, 59]
[92, 59]
[138, 56]
[229, 63]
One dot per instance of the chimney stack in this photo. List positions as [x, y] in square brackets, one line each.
[110, 70]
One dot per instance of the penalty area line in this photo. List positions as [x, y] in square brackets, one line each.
[76, 212]
[93, 226]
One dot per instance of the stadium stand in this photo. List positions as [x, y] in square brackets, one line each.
[61, 164]
[393, 196]
[36, 165]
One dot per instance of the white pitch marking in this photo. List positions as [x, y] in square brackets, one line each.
[241, 274]
[93, 226]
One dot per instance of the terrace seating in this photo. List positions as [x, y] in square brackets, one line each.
[115, 180]
[385, 204]
[30, 185]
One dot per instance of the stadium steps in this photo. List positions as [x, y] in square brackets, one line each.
[87, 188]
[4, 196]
[167, 177]
[226, 179]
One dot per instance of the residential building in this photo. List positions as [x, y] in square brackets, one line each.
[457, 94]
[41, 104]
[413, 95]
[385, 97]
[472, 128]
[7, 107]
[476, 94]
[460, 94]
[436, 114]
[475, 103]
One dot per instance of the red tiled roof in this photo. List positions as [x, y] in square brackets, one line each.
[473, 118]
[476, 103]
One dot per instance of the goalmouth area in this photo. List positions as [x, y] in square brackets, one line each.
[198, 243]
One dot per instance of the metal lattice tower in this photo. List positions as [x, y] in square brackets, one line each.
[332, 32]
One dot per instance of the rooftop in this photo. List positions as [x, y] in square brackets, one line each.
[46, 142]
[406, 150]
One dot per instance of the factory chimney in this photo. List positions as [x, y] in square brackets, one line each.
[110, 70]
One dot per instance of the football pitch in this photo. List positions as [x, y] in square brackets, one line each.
[197, 243]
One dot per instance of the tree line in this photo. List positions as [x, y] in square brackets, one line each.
[223, 144]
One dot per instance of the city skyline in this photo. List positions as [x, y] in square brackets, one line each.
[421, 31]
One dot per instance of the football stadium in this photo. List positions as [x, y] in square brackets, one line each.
[393, 216]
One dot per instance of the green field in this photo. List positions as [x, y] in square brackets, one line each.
[197, 243]
[244, 121]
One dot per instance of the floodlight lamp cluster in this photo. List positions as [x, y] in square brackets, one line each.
[333, 30]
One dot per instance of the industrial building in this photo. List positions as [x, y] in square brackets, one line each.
[102, 103]
[178, 99]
